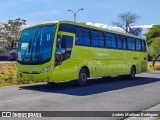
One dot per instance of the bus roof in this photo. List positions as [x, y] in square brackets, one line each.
[83, 25]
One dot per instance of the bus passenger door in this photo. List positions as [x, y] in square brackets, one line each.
[63, 64]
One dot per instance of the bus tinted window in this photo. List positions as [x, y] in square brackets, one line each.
[101, 39]
[97, 39]
[121, 42]
[138, 45]
[67, 28]
[110, 40]
[86, 36]
[68, 42]
[124, 43]
[94, 38]
[143, 46]
[130, 44]
[82, 36]
[79, 36]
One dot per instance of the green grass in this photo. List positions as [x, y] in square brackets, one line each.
[8, 76]
[156, 67]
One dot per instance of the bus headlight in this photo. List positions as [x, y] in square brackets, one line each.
[46, 69]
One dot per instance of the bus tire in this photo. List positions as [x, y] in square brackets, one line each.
[132, 73]
[83, 75]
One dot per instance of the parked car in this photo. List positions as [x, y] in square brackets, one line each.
[12, 55]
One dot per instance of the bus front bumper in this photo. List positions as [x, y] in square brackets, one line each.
[41, 77]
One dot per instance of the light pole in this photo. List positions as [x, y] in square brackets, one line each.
[75, 13]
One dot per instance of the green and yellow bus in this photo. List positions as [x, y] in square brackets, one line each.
[61, 51]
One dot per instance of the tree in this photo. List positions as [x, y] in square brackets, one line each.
[10, 31]
[153, 32]
[155, 48]
[153, 40]
[125, 20]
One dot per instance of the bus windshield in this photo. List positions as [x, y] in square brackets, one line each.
[35, 45]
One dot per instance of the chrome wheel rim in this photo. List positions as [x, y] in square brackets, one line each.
[83, 77]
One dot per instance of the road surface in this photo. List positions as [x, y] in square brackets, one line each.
[114, 94]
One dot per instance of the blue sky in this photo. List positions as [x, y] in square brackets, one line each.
[95, 11]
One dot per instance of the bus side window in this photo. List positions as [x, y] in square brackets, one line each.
[130, 44]
[119, 42]
[86, 37]
[138, 45]
[63, 44]
[94, 39]
[143, 46]
[110, 40]
[79, 36]
[67, 44]
[101, 39]
[124, 42]
[67, 28]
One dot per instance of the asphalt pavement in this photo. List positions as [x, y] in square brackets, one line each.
[103, 94]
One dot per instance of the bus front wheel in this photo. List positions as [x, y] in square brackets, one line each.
[82, 81]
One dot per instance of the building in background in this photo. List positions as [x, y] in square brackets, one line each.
[137, 31]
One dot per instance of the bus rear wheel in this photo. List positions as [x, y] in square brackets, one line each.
[132, 73]
[83, 75]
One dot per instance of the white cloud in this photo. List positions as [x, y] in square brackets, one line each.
[109, 27]
[115, 28]
[144, 26]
